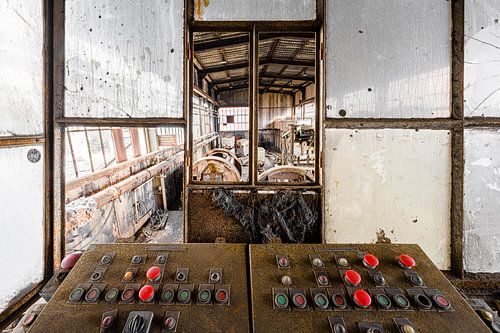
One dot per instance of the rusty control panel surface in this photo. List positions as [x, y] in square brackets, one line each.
[373, 288]
[152, 288]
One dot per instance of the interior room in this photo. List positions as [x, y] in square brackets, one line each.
[249, 166]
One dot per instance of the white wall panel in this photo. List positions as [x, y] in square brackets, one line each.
[388, 59]
[21, 67]
[21, 222]
[389, 184]
[124, 58]
[482, 200]
[482, 54]
[256, 10]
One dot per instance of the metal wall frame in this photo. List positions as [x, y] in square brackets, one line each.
[456, 124]
[60, 122]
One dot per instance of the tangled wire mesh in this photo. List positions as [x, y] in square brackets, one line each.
[285, 214]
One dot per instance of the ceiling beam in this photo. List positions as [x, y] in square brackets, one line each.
[306, 78]
[244, 40]
[239, 65]
[244, 86]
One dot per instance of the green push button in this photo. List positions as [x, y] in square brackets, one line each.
[383, 301]
[204, 296]
[402, 301]
[184, 296]
[168, 295]
[281, 300]
[321, 301]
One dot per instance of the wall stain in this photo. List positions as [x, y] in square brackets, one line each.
[381, 237]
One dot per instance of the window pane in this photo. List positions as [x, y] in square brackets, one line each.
[117, 201]
[256, 10]
[287, 108]
[21, 69]
[482, 68]
[21, 221]
[220, 115]
[482, 200]
[124, 58]
[394, 185]
[388, 59]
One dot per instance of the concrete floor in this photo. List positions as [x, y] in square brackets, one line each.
[172, 233]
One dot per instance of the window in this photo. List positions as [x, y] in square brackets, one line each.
[284, 105]
[23, 199]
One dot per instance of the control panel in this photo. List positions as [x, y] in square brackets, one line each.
[372, 288]
[139, 288]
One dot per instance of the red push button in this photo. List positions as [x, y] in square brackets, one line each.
[221, 296]
[170, 323]
[370, 261]
[153, 274]
[299, 301]
[406, 261]
[70, 260]
[442, 302]
[352, 278]
[362, 299]
[147, 293]
[107, 322]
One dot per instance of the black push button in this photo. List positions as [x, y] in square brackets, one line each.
[422, 301]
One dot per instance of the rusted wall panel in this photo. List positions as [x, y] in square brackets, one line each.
[388, 59]
[256, 10]
[124, 58]
[21, 221]
[482, 51]
[21, 69]
[389, 185]
[482, 200]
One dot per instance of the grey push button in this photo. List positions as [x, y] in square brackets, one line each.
[215, 275]
[337, 325]
[181, 275]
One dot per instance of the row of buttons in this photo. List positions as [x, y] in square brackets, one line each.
[182, 294]
[360, 298]
[155, 273]
[369, 260]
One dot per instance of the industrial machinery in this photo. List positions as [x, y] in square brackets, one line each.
[377, 288]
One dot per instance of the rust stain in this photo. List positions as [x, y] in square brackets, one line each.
[199, 9]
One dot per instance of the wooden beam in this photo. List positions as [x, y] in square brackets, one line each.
[121, 154]
[23, 140]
